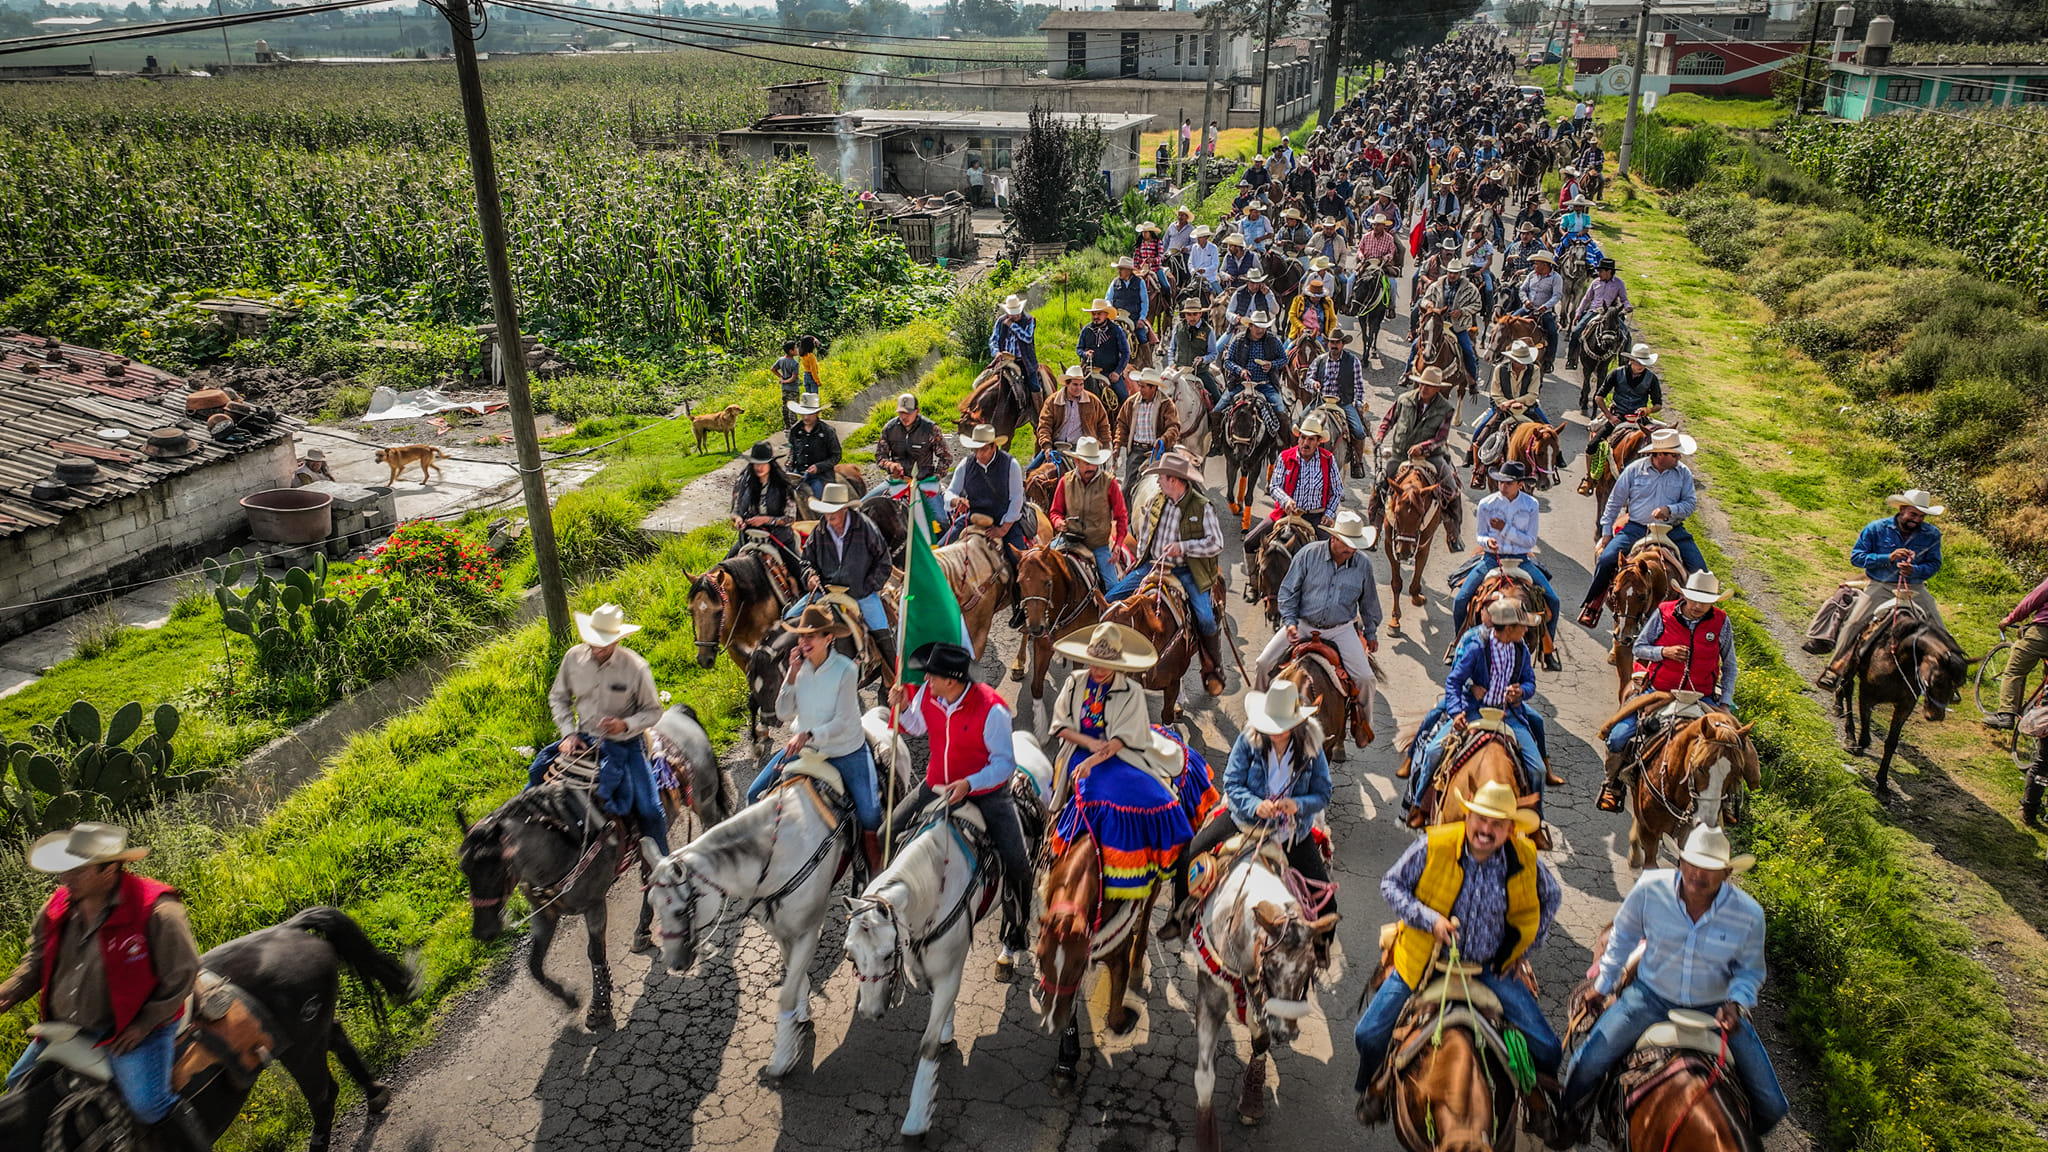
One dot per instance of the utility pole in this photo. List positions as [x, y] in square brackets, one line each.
[1558, 29]
[1806, 63]
[1265, 78]
[490, 218]
[1211, 51]
[1635, 91]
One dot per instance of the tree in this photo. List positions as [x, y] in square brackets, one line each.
[1055, 195]
[1523, 13]
[1386, 29]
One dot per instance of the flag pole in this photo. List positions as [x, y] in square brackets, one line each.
[902, 619]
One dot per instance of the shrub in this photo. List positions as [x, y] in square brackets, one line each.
[1970, 420]
[432, 552]
[1721, 227]
[598, 531]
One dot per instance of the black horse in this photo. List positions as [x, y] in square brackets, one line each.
[1603, 338]
[1902, 659]
[294, 971]
[1249, 448]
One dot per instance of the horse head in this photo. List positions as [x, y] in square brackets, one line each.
[874, 946]
[1244, 426]
[1942, 669]
[1719, 762]
[681, 912]
[1044, 580]
[1285, 947]
[486, 859]
[1073, 887]
[711, 613]
[1410, 499]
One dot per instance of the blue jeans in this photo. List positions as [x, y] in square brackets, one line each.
[871, 611]
[1264, 388]
[1527, 725]
[1622, 1024]
[1487, 563]
[856, 768]
[1623, 540]
[1466, 353]
[1356, 421]
[1105, 565]
[817, 486]
[1534, 412]
[1205, 608]
[1519, 1011]
[143, 1075]
[625, 783]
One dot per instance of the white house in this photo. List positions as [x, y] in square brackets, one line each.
[1136, 40]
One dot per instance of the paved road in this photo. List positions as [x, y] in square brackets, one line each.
[515, 1070]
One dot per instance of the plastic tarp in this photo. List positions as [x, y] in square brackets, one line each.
[386, 404]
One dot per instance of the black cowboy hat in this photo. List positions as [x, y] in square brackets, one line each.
[761, 453]
[938, 658]
[1511, 471]
[1607, 264]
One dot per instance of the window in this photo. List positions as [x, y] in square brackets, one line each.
[1742, 23]
[2036, 90]
[1702, 64]
[1179, 44]
[1902, 91]
[1127, 60]
[1671, 24]
[790, 150]
[1077, 50]
[1621, 25]
[1002, 153]
[1969, 93]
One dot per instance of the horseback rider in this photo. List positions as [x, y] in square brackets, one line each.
[1508, 521]
[1333, 229]
[1193, 347]
[1178, 530]
[1277, 779]
[112, 953]
[1516, 393]
[1476, 892]
[1131, 295]
[1147, 254]
[1253, 358]
[1339, 377]
[1252, 296]
[1537, 297]
[1490, 668]
[1069, 414]
[971, 762]
[1605, 290]
[813, 446]
[1459, 301]
[1305, 484]
[1205, 260]
[1015, 337]
[1293, 236]
[1239, 262]
[1575, 226]
[1902, 548]
[847, 551]
[1656, 488]
[1329, 594]
[988, 482]
[820, 695]
[1686, 647]
[1147, 425]
[1703, 941]
[1311, 313]
[2029, 648]
[1380, 251]
[764, 500]
[1255, 228]
[1527, 244]
[1479, 253]
[1180, 235]
[603, 698]
[1104, 346]
[913, 448]
[1444, 204]
[1417, 428]
[1631, 389]
[1383, 205]
[1088, 504]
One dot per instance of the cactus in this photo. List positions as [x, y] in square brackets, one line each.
[287, 619]
[74, 770]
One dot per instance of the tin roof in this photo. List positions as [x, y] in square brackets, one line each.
[55, 400]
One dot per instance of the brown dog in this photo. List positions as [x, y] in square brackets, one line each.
[398, 456]
[711, 423]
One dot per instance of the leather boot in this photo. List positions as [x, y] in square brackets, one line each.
[181, 1130]
[1611, 797]
[884, 640]
[2030, 803]
[1212, 663]
[1589, 616]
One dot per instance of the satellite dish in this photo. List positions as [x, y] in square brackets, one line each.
[1615, 80]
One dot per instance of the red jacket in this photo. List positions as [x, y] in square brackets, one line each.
[1701, 672]
[1290, 473]
[958, 749]
[124, 945]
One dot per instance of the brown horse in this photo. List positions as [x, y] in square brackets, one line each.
[732, 606]
[1493, 760]
[1902, 659]
[1535, 445]
[1315, 678]
[978, 569]
[1645, 577]
[1503, 582]
[1436, 346]
[999, 399]
[1624, 444]
[1058, 589]
[1412, 515]
[1265, 569]
[1449, 1097]
[1504, 331]
[1692, 775]
[1157, 612]
[1069, 932]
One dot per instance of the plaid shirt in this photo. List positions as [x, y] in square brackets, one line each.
[1481, 908]
[1166, 530]
[1144, 421]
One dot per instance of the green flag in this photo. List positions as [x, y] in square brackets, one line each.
[930, 613]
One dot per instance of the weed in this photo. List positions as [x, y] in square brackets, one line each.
[97, 631]
[597, 532]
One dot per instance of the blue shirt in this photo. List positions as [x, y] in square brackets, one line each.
[1244, 781]
[1641, 490]
[1255, 232]
[1017, 335]
[1325, 595]
[1481, 908]
[1473, 665]
[1873, 551]
[1107, 341]
[1689, 964]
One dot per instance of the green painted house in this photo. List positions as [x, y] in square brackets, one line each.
[1862, 92]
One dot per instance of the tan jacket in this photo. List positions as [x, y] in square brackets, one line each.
[1166, 425]
[1053, 413]
[1126, 718]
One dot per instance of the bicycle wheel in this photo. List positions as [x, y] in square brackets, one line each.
[1990, 672]
[2024, 748]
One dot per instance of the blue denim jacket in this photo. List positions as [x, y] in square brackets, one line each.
[1244, 782]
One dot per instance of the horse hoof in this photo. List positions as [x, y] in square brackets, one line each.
[1417, 601]
[379, 1098]
[596, 1020]
[1336, 756]
[1130, 1023]
[1016, 675]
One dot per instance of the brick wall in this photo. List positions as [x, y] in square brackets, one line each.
[159, 531]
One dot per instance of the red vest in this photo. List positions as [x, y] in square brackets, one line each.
[1290, 473]
[1702, 670]
[958, 750]
[124, 945]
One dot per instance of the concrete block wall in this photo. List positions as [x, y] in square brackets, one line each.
[156, 532]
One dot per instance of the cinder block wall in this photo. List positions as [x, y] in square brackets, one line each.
[156, 532]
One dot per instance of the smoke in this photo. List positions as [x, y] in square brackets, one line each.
[849, 167]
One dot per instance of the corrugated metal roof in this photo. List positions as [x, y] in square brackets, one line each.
[54, 399]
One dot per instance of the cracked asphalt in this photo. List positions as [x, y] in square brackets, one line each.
[513, 1069]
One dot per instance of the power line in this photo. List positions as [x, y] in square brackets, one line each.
[559, 11]
[170, 28]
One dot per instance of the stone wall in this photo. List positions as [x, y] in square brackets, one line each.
[156, 532]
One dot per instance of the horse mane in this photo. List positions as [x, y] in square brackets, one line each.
[749, 575]
[921, 869]
[735, 838]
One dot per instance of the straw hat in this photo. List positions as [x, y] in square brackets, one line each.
[1319, 264]
[982, 436]
[1089, 450]
[806, 404]
[1381, 218]
[1708, 848]
[1522, 352]
[1255, 276]
[1202, 230]
[1111, 646]
[1236, 238]
[1701, 587]
[1312, 425]
[1641, 354]
[1277, 710]
[1291, 214]
[1672, 440]
[1147, 226]
[835, 497]
[1505, 613]
[1915, 498]
[604, 626]
[1496, 801]
[1126, 262]
[1527, 226]
[1015, 305]
[1353, 530]
[1101, 305]
[817, 618]
[1543, 258]
[1386, 190]
[82, 845]
[1430, 377]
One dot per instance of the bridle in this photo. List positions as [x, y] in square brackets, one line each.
[729, 620]
[1074, 605]
[898, 977]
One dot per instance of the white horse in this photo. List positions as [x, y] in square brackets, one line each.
[1185, 390]
[1253, 928]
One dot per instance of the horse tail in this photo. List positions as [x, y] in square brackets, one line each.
[379, 972]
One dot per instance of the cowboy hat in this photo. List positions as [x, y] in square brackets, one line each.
[1319, 264]
[1607, 264]
[1328, 222]
[1522, 352]
[1193, 304]
[761, 453]
[1089, 450]
[1179, 465]
[1527, 226]
[83, 845]
[1312, 425]
[1701, 587]
[836, 496]
[1510, 471]
[1543, 258]
[1183, 210]
[1152, 376]
[817, 618]
[1578, 202]
[1147, 226]
[1641, 354]
[1236, 238]
[1255, 276]
[1430, 377]
[1015, 305]
[806, 404]
[982, 436]
[314, 454]
[1381, 218]
[1202, 230]
[1915, 498]
[1101, 305]
[1290, 214]
[1126, 262]
[1276, 710]
[604, 625]
[1457, 265]
[1672, 440]
[1074, 372]
[1568, 170]
[1111, 646]
[1256, 206]
[1708, 848]
[1260, 319]
[939, 658]
[1496, 801]
[906, 402]
[1505, 613]
[1354, 531]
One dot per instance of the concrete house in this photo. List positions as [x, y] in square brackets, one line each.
[1136, 40]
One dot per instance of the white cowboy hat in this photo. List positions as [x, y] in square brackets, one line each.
[1708, 848]
[806, 404]
[1701, 587]
[1101, 305]
[314, 454]
[1543, 257]
[1430, 377]
[1312, 425]
[1522, 352]
[1074, 372]
[1353, 530]
[1202, 230]
[1015, 305]
[1276, 710]
[1386, 190]
[1126, 262]
[1147, 376]
[1457, 264]
[836, 496]
[982, 436]
[1087, 449]
[1147, 226]
[1915, 498]
[84, 844]
[1291, 214]
[1236, 238]
[1496, 801]
[1319, 264]
[1111, 646]
[1641, 354]
[605, 625]
[1578, 202]
[1260, 318]
[1380, 218]
[1505, 613]
[1183, 210]
[1671, 440]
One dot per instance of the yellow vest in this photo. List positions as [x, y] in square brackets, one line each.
[1443, 877]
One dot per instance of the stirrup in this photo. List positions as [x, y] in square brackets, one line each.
[1611, 797]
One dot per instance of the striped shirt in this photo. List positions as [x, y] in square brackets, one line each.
[1687, 963]
[1167, 532]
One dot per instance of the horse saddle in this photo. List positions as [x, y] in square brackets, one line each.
[1649, 1066]
[1658, 540]
[1323, 652]
[1080, 561]
[1208, 869]
[228, 1033]
[772, 561]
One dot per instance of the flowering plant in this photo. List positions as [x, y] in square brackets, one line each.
[427, 549]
